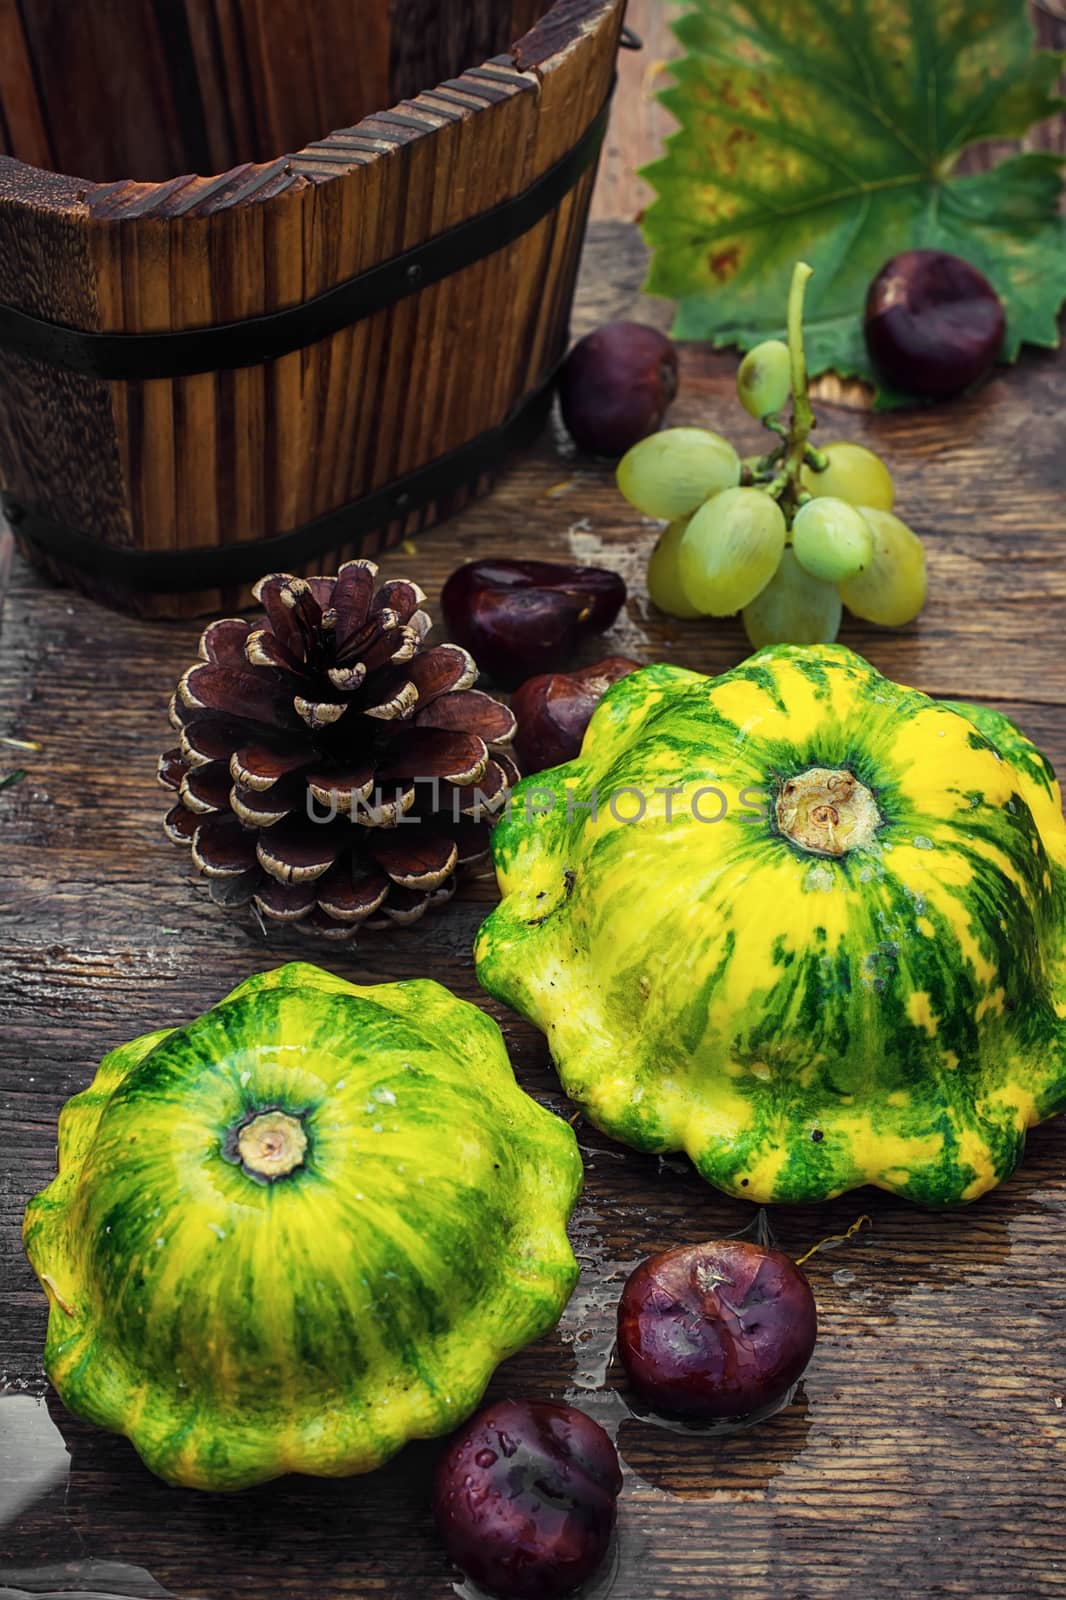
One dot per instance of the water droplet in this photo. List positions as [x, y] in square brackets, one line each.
[486, 1458]
[920, 842]
[215, 1229]
[844, 1276]
[507, 1445]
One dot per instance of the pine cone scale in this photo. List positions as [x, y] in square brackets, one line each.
[206, 788]
[426, 753]
[285, 902]
[224, 641]
[469, 711]
[258, 699]
[210, 739]
[267, 809]
[172, 768]
[351, 901]
[221, 848]
[398, 704]
[420, 862]
[350, 602]
[444, 670]
[296, 851]
[342, 790]
[319, 714]
[259, 767]
[180, 825]
[264, 649]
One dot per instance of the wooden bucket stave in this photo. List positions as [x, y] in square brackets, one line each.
[241, 453]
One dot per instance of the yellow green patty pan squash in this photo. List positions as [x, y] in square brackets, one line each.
[301, 1230]
[857, 974]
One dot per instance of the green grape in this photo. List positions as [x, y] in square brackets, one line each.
[892, 589]
[854, 474]
[832, 540]
[664, 577]
[794, 608]
[730, 550]
[764, 379]
[669, 474]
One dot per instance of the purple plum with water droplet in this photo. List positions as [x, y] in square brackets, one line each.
[524, 1498]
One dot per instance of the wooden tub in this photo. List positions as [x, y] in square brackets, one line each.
[310, 355]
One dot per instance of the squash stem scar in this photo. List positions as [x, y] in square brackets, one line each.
[268, 1146]
[827, 812]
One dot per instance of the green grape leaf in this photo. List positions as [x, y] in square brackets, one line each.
[828, 131]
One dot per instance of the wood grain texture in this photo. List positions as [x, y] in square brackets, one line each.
[224, 457]
[924, 1454]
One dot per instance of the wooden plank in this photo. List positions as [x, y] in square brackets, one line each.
[21, 116]
[57, 438]
[109, 112]
[923, 1456]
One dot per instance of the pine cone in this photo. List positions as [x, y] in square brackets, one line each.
[332, 704]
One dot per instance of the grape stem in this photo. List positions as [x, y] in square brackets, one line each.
[792, 493]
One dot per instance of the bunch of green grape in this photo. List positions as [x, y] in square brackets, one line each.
[784, 538]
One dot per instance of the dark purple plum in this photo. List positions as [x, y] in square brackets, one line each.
[716, 1330]
[934, 324]
[518, 618]
[524, 1498]
[615, 386]
[554, 709]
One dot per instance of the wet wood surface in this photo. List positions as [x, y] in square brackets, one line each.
[925, 1452]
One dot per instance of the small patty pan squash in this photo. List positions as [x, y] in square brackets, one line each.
[851, 971]
[301, 1230]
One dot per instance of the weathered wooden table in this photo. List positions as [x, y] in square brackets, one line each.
[926, 1451]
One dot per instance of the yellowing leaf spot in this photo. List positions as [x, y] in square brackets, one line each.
[723, 263]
